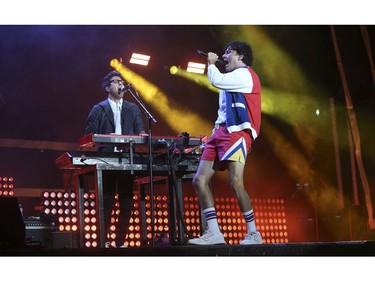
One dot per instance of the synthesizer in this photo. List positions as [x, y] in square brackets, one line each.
[123, 161]
[95, 140]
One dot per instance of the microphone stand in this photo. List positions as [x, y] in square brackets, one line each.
[150, 163]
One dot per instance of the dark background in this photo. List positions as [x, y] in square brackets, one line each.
[50, 77]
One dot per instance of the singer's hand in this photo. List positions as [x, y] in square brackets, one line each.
[212, 58]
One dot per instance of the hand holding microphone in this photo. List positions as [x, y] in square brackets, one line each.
[206, 55]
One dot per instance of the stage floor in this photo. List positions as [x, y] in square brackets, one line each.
[340, 248]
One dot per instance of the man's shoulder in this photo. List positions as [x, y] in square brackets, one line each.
[102, 104]
[97, 108]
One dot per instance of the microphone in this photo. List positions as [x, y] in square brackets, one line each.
[205, 55]
[124, 89]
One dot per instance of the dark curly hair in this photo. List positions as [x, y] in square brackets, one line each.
[244, 49]
[107, 79]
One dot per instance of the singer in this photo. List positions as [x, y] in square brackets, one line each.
[236, 127]
[115, 115]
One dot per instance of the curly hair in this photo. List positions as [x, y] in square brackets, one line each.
[244, 49]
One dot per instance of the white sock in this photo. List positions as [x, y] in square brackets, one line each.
[250, 221]
[211, 220]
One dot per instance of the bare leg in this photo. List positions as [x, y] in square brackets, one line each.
[201, 183]
[235, 174]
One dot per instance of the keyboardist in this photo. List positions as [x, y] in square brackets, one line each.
[116, 115]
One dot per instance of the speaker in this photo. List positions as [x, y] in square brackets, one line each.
[65, 239]
[12, 227]
[39, 233]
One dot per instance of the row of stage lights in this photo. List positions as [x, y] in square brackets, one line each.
[270, 218]
[6, 187]
[63, 206]
[161, 220]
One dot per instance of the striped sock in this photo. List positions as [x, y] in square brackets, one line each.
[250, 221]
[211, 220]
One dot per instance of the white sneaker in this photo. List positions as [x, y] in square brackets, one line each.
[252, 239]
[208, 238]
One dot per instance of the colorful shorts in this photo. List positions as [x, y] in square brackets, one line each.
[225, 146]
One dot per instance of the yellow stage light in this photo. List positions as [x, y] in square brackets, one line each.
[199, 79]
[179, 119]
[173, 70]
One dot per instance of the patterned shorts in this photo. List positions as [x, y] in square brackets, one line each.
[225, 146]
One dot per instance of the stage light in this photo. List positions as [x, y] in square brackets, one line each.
[173, 69]
[271, 219]
[139, 59]
[65, 213]
[233, 223]
[196, 67]
[6, 187]
[179, 119]
[199, 79]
